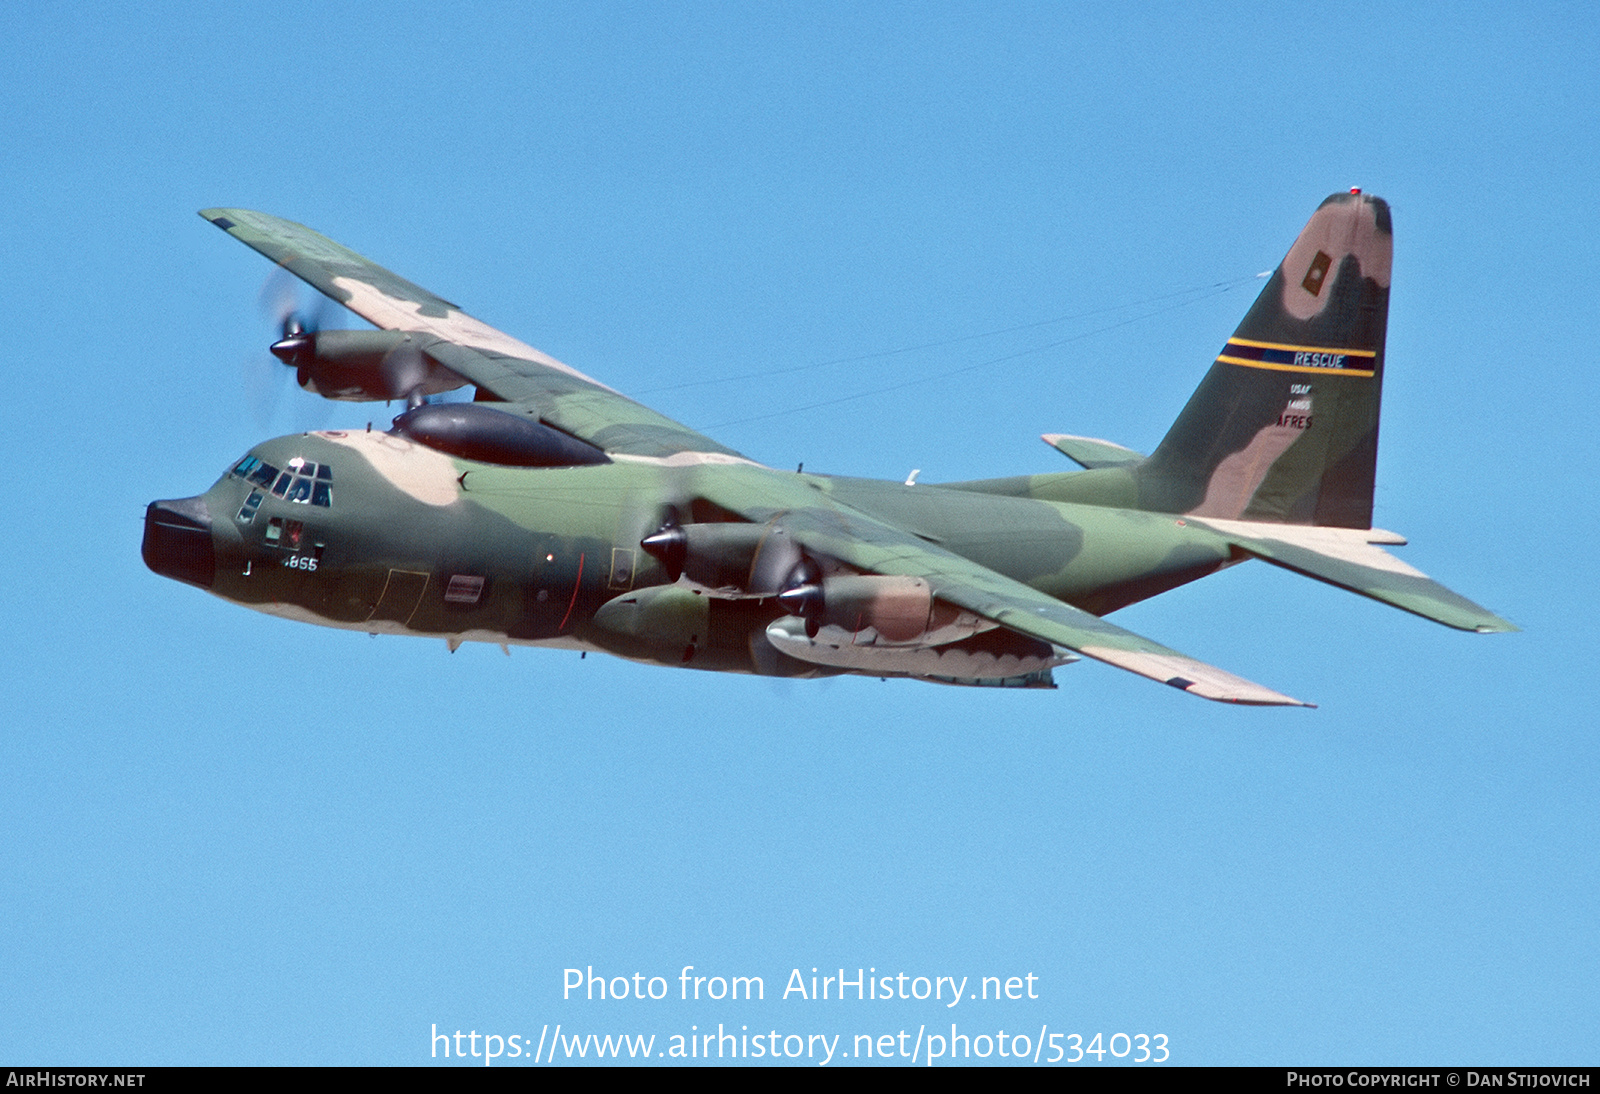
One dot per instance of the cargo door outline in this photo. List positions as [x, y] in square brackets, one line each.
[401, 596]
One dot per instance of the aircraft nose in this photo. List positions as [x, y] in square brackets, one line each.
[177, 541]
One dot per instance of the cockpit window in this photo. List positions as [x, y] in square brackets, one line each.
[254, 470]
[247, 511]
[303, 483]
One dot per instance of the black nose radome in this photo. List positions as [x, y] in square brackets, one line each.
[177, 541]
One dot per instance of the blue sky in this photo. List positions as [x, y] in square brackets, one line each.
[226, 838]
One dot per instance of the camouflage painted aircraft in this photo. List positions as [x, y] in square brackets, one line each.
[553, 511]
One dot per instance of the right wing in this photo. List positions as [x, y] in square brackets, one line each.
[828, 528]
[558, 394]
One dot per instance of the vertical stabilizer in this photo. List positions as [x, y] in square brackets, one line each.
[1284, 428]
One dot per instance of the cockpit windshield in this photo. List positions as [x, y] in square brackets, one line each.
[302, 481]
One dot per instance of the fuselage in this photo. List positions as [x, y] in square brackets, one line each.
[372, 531]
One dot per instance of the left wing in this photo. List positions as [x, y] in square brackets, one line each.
[825, 527]
[558, 394]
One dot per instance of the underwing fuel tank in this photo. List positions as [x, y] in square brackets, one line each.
[483, 434]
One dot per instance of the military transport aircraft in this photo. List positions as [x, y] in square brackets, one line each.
[554, 511]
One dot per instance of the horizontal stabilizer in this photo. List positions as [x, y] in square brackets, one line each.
[1351, 559]
[1091, 452]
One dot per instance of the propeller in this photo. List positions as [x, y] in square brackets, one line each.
[778, 563]
[803, 597]
[778, 567]
[802, 594]
[405, 370]
[669, 543]
[297, 342]
[280, 301]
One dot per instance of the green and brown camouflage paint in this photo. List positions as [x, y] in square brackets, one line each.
[1272, 458]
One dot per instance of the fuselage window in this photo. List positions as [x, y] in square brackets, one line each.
[285, 533]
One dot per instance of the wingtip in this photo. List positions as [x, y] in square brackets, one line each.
[222, 218]
[1262, 697]
[1282, 701]
[1224, 687]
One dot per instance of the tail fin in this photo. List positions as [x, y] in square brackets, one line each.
[1284, 428]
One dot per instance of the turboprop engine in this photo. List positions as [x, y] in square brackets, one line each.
[362, 365]
[894, 625]
[882, 624]
[879, 610]
[732, 559]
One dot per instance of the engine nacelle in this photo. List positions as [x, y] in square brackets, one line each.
[881, 610]
[363, 366]
[728, 559]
